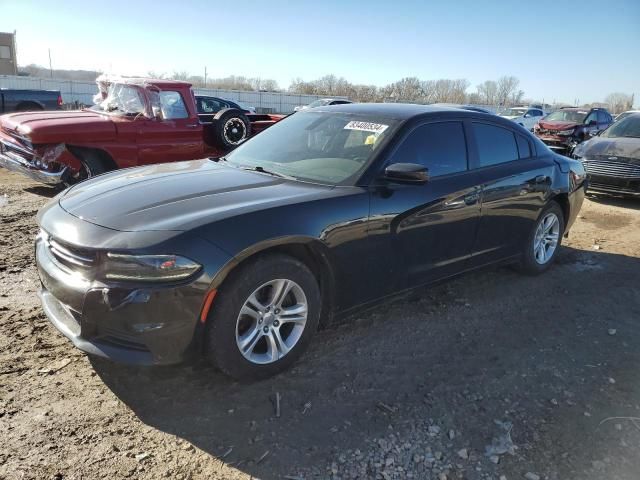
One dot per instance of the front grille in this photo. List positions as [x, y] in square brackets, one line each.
[71, 258]
[17, 148]
[620, 168]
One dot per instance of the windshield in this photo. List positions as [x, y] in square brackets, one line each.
[122, 99]
[575, 116]
[624, 115]
[514, 112]
[325, 148]
[627, 127]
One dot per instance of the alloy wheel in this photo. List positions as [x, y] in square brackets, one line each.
[545, 240]
[271, 321]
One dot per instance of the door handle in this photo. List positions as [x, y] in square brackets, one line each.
[192, 125]
[472, 198]
[539, 179]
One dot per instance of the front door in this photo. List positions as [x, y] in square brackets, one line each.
[426, 230]
[176, 135]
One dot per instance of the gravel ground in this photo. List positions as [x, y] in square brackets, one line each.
[494, 375]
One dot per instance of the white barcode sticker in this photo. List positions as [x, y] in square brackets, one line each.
[376, 128]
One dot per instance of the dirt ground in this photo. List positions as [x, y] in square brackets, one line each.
[494, 375]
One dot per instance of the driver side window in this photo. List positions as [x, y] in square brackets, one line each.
[441, 147]
[591, 117]
[172, 105]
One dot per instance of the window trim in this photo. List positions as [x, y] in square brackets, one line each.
[389, 155]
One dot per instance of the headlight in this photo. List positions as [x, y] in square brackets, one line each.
[149, 268]
[566, 132]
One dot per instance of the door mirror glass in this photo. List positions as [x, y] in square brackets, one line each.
[407, 173]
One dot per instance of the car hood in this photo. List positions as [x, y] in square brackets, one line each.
[622, 147]
[556, 125]
[61, 126]
[180, 196]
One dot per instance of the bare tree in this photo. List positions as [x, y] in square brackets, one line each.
[619, 102]
[507, 88]
[488, 92]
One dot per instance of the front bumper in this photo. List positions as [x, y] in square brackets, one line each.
[558, 143]
[613, 185]
[131, 324]
[14, 162]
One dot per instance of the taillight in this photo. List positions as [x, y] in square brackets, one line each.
[59, 100]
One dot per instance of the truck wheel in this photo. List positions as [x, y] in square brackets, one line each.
[28, 107]
[92, 165]
[231, 128]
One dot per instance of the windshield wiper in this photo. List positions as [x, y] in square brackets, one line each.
[260, 169]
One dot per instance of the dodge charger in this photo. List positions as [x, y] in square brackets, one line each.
[240, 258]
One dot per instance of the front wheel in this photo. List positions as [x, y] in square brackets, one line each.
[263, 318]
[544, 240]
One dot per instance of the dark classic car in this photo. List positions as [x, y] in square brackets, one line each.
[612, 159]
[332, 209]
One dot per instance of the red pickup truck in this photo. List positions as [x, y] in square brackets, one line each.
[135, 121]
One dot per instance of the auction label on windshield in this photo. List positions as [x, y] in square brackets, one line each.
[376, 128]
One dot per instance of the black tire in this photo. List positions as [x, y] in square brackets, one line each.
[231, 127]
[528, 264]
[92, 165]
[221, 348]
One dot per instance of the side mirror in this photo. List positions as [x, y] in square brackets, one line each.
[407, 173]
[157, 112]
[527, 115]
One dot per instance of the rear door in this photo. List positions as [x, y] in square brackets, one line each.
[425, 232]
[515, 183]
[176, 136]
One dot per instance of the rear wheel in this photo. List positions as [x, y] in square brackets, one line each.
[263, 318]
[28, 107]
[544, 241]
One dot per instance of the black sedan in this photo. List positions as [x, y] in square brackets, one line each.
[330, 210]
[612, 159]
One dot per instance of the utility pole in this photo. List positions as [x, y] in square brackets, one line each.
[15, 54]
[205, 76]
[50, 68]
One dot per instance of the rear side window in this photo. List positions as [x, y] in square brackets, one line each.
[495, 144]
[524, 148]
[441, 147]
[209, 105]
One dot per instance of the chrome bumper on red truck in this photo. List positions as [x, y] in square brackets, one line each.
[11, 159]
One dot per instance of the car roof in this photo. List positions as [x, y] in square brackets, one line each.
[399, 111]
